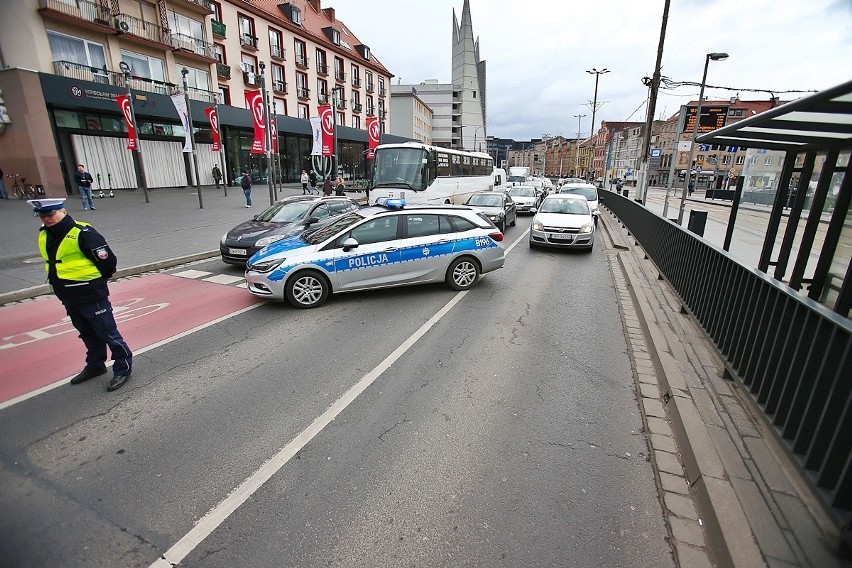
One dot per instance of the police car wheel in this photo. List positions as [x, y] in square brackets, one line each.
[307, 289]
[462, 273]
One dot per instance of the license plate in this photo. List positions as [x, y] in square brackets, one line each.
[239, 252]
[561, 237]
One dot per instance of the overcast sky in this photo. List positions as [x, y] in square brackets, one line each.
[537, 52]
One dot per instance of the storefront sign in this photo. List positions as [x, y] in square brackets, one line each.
[127, 112]
[254, 102]
[213, 117]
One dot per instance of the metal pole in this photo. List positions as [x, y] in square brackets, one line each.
[221, 149]
[197, 174]
[143, 182]
[336, 162]
[680, 122]
[266, 133]
[597, 75]
[579, 118]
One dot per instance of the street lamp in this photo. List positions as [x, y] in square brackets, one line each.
[579, 118]
[476, 128]
[715, 57]
[125, 68]
[184, 72]
[335, 100]
[597, 73]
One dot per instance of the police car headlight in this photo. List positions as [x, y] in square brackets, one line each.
[538, 226]
[266, 265]
[587, 228]
[268, 240]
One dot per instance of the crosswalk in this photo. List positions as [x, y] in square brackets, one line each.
[224, 279]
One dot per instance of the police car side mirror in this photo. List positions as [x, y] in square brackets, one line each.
[349, 244]
[311, 220]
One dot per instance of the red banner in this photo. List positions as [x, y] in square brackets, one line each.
[373, 134]
[126, 111]
[254, 102]
[213, 117]
[327, 129]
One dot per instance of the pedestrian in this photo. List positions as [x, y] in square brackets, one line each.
[245, 183]
[691, 187]
[304, 179]
[79, 262]
[312, 177]
[339, 186]
[3, 193]
[217, 175]
[84, 186]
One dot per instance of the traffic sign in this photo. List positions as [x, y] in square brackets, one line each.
[656, 152]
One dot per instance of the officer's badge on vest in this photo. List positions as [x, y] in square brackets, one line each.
[102, 253]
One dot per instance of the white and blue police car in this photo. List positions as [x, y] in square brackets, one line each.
[378, 247]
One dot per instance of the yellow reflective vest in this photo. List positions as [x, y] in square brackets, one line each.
[71, 263]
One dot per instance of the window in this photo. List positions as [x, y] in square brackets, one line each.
[303, 111]
[425, 225]
[224, 95]
[356, 100]
[382, 87]
[726, 160]
[279, 106]
[275, 49]
[278, 82]
[217, 10]
[339, 73]
[767, 161]
[356, 122]
[301, 53]
[368, 75]
[183, 26]
[144, 66]
[248, 63]
[335, 36]
[374, 230]
[296, 15]
[340, 118]
[302, 90]
[196, 78]
[322, 65]
[356, 76]
[322, 91]
[219, 53]
[370, 108]
[76, 50]
[247, 37]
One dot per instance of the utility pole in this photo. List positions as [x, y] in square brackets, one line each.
[579, 118]
[652, 105]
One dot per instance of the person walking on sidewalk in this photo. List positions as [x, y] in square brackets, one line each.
[79, 262]
[304, 179]
[217, 175]
[3, 193]
[84, 186]
[245, 183]
[326, 186]
[339, 186]
[312, 177]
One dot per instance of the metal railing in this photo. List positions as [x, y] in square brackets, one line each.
[219, 29]
[322, 69]
[790, 353]
[135, 26]
[356, 82]
[370, 88]
[356, 107]
[87, 73]
[83, 9]
[203, 3]
[223, 70]
[279, 86]
[339, 76]
[303, 93]
[248, 40]
[193, 44]
[277, 52]
[302, 61]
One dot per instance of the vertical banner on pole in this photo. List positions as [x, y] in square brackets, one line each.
[213, 117]
[327, 129]
[254, 101]
[316, 128]
[374, 135]
[273, 131]
[179, 100]
[124, 104]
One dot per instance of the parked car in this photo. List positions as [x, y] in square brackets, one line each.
[497, 205]
[587, 190]
[563, 221]
[378, 247]
[526, 198]
[280, 220]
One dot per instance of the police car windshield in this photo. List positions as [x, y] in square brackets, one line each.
[322, 232]
[285, 212]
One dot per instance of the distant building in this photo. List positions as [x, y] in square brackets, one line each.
[412, 117]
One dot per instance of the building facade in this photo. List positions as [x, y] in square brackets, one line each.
[412, 117]
[67, 61]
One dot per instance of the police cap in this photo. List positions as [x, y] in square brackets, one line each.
[46, 205]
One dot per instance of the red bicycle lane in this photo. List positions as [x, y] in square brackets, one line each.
[39, 346]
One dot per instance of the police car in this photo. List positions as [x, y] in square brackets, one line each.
[378, 247]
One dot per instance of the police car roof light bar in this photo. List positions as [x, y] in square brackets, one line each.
[390, 202]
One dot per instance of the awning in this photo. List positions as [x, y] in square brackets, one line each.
[817, 122]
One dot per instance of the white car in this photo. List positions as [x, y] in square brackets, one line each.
[378, 247]
[587, 190]
[526, 198]
[563, 221]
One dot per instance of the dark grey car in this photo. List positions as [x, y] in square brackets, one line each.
[497, 206]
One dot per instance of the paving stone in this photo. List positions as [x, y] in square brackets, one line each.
[668, 462]
[674, 483]
[680, 505]
[658, 426]
[650, 391]
[768, 464]
[776, 563]
[769, 536]
[687, 531]
[808, 535]
[727, 450]
[706, 407]
[663, 443]
[646, 378]
[653, 408]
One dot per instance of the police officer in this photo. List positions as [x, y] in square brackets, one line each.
[79, 262]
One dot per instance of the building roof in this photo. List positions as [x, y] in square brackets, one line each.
[816, 122]
[313, 24]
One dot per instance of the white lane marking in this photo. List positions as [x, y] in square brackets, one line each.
[223, 279]
[218, 514]
[64, 381]
[192, 273]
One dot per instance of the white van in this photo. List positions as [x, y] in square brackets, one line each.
[498, 178]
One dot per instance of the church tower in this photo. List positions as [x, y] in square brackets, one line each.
[468, 79]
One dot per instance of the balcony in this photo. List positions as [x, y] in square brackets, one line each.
[139, 30]
[340, 76]
[303, 93]
[202, 95]
[223, 71]
[356, 108]
[250, 78]
[248, 41]
[322, 69]
[218, 29]
[356, 82]
[370, 87]
[382, 91]
[193, 46]
[277, 52]
[341, 104]
[200, 6]
[279, 86]
[371, 111]
[302, 62]
[87, 73]
[91, 14]
[322, 99]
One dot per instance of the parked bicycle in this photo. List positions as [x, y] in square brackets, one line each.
[20, 188]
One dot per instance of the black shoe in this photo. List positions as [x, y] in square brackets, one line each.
[118, 381]
[87, 374]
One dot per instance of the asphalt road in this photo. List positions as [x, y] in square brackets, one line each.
[416, 426]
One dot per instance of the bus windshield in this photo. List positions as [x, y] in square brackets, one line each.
[400, 167]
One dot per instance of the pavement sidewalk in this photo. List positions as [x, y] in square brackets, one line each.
[169, 230]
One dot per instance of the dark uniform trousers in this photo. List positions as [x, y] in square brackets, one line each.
[97, 328]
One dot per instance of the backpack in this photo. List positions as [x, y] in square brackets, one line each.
[245, 183]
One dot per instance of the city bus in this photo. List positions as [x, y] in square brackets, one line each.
[424, 174]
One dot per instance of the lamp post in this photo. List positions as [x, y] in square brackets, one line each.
[579, 118]
[715, 56]
[476, 128]
[267, 134]
[335, 99]
[125, 68]
[597, 73]
[184, 72]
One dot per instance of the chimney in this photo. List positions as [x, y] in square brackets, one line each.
[315, 4]
[329, 13]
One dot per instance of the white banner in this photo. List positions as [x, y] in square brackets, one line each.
[180, 105]
[683, 146]
[316, 127]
